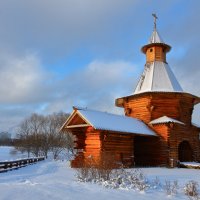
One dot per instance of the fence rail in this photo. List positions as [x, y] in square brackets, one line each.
[15, 164]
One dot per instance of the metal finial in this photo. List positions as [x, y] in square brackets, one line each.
[155, 18]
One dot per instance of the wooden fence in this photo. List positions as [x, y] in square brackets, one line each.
[15, 164]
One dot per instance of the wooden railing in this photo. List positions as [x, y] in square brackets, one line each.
[15, 164]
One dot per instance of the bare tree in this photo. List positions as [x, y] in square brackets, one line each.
[40, 134]
[23, 142]
[60, 140]
[5, 138]
[29, 135]
[35, 124]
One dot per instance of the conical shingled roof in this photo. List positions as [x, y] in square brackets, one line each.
[157, 76]
[155, 38]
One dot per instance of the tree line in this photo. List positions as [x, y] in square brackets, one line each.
[39, 135]
[5, 139]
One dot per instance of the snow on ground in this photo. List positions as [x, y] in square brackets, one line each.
[55, 180]
[6, 153]
[191, 164]
[48, 180]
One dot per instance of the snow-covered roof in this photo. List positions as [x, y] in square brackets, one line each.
[112, 122]
[155, 38]
[165, 119]
[157, 76]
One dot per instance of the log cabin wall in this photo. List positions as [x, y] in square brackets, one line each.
[92, 145]
[177, 106]
[79, 146]
[98, 145]
[138, 107]
[156, 53]
[88, 146]
[150, 106]
[162, 131]
[116, 148]
[120, 146]
[180, 133]
[171, 136]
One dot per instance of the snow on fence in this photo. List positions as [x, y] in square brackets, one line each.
[15, 164]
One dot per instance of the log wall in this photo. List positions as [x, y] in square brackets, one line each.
[100, 145]
[116, 148]
[162, 131]
[155, 53]
[138, 108]
[130, 149]
[150, 106]
[180, 133]
[79, 145]
[121, 146]
[171, 135]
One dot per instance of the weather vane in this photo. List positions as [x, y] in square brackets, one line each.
[155, 18]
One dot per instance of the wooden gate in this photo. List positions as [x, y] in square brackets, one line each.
[185, 152]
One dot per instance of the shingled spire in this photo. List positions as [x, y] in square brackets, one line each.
[155, 37]
[157, 75]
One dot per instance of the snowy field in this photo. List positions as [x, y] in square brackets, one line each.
[55, 180]
[8, 153]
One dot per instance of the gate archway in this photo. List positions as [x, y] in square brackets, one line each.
[185, 153]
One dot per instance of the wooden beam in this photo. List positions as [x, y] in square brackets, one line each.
[78, 125]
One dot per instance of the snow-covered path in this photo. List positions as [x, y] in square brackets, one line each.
[51, 180]
[55, 180]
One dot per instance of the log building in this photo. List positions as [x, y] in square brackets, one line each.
[157, 128]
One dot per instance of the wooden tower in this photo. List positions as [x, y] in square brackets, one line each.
[156, 130]
[160, 102]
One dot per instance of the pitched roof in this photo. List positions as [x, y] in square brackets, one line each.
[165, 119]
[157, 76]
[155, 38]
[111, 122]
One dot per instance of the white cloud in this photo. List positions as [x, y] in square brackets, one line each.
[11, 116]
[21, 79]
[99, 29]
[96, 86]
[57, 26]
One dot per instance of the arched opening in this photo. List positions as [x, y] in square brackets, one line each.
[185, 152]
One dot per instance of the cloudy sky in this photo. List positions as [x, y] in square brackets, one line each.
[58, 53]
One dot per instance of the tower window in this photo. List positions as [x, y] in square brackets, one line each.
[128, 111]
[151, 50]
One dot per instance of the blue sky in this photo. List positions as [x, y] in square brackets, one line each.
[58, 53]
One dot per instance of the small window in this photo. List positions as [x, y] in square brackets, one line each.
[151, 50]
[128, 111]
